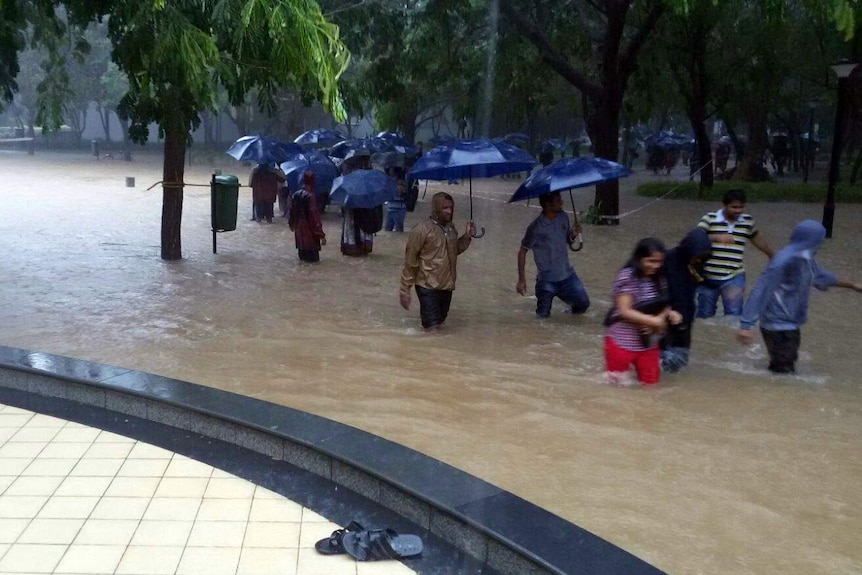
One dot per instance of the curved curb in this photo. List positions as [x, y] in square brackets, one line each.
[508, 534]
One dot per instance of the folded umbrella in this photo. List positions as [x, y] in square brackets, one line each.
[363, 189]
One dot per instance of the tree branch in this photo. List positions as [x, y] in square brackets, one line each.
[627, 62]
[559, 64]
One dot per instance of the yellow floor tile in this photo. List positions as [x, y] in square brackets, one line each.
[229, 488]
[21, 558]
[77, 434]
[272, 535]
[10, 529]
[143, 468]
[120, 508]
[224, 510]
[311, 562]
[132, 487]
[108, 450]
[217, 534]
[275, 510]
[147, 451]
[24, 506]
[107, 532]
[34, 486]
[184, 467]
[182, 487]
[208, 560]
[173, 508]
[42, 420]
[314, 531]
[83, 486]
[68, 508]
[142, 561]
[271, 562]
[22, 449]
[51, 531]
[52, 467]
[70, 450]
[97, 467]
[91, 559]
[162, 533]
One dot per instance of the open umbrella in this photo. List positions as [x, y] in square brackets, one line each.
[441, 140]
[320, 137]
[262, 150]
[566, 174]
[468, 158]
[373, 145]
[324, 170]
[363, 189]
[401, 144]
[517, 137]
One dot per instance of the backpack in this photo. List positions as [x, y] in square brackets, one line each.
[369, 220]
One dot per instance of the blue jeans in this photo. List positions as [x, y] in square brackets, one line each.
[732, 292]
[570, 290]
[394, 220]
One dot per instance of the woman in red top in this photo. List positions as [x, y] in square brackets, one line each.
[304, 221]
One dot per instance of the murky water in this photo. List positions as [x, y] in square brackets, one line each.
[722, 469]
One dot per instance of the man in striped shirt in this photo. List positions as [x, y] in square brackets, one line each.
[724, 275]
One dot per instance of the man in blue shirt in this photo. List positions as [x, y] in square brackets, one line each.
[549, 236]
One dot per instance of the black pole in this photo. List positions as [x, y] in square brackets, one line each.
[835, 159]
[213, 209]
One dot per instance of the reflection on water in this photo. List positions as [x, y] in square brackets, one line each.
[720, 469]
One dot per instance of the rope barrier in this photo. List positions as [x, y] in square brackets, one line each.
[663, 196]
[183, 185]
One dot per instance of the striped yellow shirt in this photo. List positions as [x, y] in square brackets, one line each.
[726, 260]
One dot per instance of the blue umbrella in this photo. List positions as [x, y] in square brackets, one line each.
[373, 145]
[322, 137]
[468, 158]
[517, 137]
[441, 140]
[324, 170]
[262, 150]
[568, 173]
[401, 144]
[363, 189]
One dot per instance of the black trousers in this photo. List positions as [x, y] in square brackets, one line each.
[783, 348]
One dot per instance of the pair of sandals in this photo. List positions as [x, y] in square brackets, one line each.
[369, 544]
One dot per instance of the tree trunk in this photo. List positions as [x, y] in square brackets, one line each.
[603, 128]
[172, 191]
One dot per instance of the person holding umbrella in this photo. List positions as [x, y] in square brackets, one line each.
[430, 257]
[549, 237]
[304, 221]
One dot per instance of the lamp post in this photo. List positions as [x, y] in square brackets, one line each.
[842, 69]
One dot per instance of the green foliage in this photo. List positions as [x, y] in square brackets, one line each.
[755, 191]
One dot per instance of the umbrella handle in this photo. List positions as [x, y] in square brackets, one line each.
[479, 234]
[579, 240]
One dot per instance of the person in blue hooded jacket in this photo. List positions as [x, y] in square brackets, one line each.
[779, 300]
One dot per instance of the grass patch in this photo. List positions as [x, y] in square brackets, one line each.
[756, 191]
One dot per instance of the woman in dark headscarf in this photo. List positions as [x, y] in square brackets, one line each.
[681, 268]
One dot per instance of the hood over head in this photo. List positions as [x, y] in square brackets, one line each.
[695, 243]
[438, 200]
[807, 235]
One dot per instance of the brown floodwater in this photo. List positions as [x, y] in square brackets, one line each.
[720, 469]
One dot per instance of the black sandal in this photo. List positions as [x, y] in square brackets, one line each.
[379, 544]
[332, 545]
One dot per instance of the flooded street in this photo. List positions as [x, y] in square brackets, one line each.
[719, 469]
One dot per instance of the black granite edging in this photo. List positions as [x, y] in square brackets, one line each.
[508, 533]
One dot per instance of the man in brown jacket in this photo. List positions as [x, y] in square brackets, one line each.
[431, 254]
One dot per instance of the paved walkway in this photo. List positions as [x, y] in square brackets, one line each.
[81, 501]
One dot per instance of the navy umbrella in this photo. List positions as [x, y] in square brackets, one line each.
[517, 137]
[363, 189]
[566, 174]
[373, 145]
[324, 170]
[401, 144]
[468, 158]
[262, 150]
[441, 140]
[321, 137]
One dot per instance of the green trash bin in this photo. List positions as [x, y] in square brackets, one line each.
[225, 197]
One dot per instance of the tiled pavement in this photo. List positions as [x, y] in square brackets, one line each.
[78, 500]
